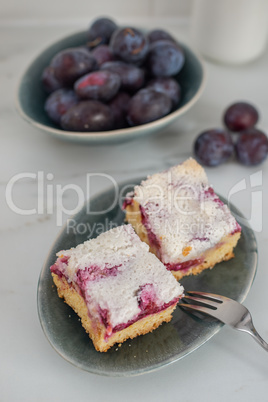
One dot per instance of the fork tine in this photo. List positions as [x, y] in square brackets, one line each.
[209, 296]
[208, 302]
[200, 309]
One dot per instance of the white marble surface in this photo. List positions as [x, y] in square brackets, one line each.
[31, 10]
[231, 366]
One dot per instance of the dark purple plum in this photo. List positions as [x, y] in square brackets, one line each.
[213, 147]
[100, 32]
[240, 116]
[70, 64]
[88, 116]
[251, 147]
[49, 81]
[147, 105]
[168, 86]
[132, 77]
[59, 102]
[159, 34]
[99, 85]
[119, 106]
[102, 54]
[130, 45]
[165, 58]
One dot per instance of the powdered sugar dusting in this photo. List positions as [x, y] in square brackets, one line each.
[119, 276]
[109, 249]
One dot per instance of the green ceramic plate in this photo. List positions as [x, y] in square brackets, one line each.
[31, 97]
[167, 344]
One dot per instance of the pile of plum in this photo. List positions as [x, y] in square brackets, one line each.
[240, 137]
[121, 77]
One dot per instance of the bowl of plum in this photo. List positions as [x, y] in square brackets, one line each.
[110, 84]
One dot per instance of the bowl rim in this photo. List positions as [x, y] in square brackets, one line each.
[111, 134]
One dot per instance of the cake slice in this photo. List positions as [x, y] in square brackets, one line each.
[184, 222]
[117, 287]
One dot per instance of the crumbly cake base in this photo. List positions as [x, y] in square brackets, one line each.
[96, 330]
[223, 251]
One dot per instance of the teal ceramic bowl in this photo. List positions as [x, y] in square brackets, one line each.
[30, 97]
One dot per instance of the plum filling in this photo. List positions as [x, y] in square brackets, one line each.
[145, 313]
[153, 240]
[83, 276]
[60, 265]
[150, 309]
[127, 201]
[94, 273]
[147, 297]
[184, 266]
[210, 194]
[237, 229]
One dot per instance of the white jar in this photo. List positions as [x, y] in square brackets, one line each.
[230, 31]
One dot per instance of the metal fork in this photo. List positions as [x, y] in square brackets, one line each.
[225, 310]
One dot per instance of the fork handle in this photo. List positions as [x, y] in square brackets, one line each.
[258, 338]
[246, 325]
[251, 330]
